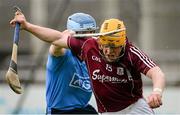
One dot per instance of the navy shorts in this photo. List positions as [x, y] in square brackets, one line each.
[86, 110]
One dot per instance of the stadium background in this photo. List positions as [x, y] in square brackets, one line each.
[153, 25]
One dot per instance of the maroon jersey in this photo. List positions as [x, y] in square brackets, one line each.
[116, 85]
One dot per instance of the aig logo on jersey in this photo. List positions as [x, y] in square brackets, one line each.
[120, 71]
[81, 82]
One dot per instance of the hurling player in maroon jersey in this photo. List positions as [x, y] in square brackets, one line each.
[115, 66]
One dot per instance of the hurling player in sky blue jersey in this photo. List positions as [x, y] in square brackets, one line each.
[114, 64]
[68, 86]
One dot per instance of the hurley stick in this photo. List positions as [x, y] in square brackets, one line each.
[12, 73]
[99, 34]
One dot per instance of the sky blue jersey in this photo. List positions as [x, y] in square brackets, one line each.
[67, 82]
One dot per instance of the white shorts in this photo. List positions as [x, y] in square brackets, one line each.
[139, 107]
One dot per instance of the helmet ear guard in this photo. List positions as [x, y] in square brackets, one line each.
[117, 39]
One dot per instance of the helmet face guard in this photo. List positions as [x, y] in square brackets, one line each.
[115, 40]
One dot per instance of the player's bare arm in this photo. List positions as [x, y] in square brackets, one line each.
[46, 34]
[56, 50]
[158, 79]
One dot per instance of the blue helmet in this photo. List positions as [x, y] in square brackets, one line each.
[81, 22]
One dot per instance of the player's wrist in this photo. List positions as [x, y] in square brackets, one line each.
[158, 90]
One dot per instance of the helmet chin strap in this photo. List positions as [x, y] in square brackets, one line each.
[121, 54]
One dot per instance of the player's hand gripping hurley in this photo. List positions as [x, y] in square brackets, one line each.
[12, 73]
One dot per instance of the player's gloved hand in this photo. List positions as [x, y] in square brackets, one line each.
[155, 99]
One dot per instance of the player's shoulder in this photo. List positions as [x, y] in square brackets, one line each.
[129, 45]
[91, 41]
[131, 48]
